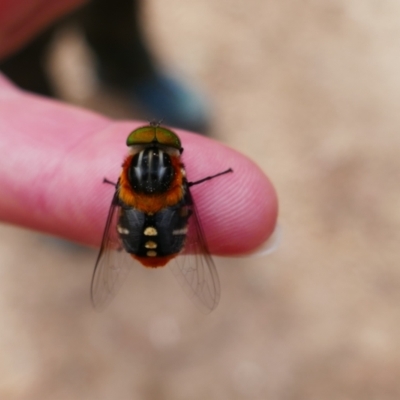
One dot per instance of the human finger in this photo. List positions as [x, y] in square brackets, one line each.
[55, 157]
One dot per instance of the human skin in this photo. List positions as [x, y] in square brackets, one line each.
[54, 157]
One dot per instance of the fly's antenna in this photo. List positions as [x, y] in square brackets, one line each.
[156, 122]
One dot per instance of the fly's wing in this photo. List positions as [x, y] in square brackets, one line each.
[194, 268]
[112, 262]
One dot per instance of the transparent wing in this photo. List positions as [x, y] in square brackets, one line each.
[195, 269]
[112, 263]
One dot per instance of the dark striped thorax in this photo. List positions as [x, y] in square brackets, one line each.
[151, 171]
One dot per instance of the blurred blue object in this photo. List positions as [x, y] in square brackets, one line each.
[165, 97]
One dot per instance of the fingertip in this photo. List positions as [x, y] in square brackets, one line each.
[238, 211]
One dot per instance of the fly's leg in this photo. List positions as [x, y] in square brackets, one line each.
[105, 180]
[210, 177]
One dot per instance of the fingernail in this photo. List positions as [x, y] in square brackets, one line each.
[268, 246]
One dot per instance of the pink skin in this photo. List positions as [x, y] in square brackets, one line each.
[54, 158]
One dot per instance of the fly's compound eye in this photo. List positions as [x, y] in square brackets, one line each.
[151, 171]
[153, 134]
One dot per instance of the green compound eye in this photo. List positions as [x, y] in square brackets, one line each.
[150, 134]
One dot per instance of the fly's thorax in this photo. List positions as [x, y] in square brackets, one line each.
[152, 178]
[151, 170]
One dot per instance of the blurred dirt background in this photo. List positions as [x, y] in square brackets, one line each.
[310, 91]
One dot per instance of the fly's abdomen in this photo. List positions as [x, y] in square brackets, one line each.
[154, 238]
[130, 228]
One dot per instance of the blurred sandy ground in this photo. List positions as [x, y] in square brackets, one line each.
[310, 91]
